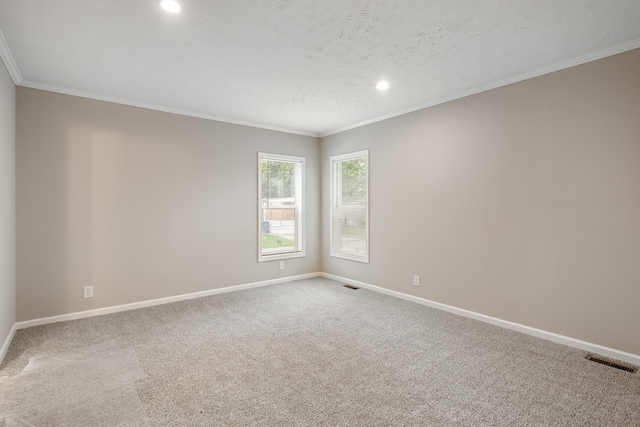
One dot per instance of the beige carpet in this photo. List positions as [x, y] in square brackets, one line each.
[313, 352]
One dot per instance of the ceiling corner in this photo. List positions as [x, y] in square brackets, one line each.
[7, 58]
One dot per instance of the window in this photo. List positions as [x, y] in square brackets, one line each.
[280, 207]
[349, 218]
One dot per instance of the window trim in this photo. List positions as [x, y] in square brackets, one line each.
[300, 251]
[333, 194]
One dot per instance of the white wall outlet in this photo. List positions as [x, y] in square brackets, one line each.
[88, 291]
[281, 265]
[416, 280]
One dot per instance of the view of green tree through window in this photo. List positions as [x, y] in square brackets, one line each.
[280, 200]
[349, 206]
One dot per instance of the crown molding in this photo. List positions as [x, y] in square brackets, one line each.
[453, 97]
[5, 53]
[149, 106]
[594, 56]
[8, 60]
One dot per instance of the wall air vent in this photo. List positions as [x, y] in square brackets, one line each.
[613, 364]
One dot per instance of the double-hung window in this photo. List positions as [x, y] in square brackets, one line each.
[349, 216]
[281, 230]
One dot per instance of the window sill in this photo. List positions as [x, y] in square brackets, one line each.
[277, 257]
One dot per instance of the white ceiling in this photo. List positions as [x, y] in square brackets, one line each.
[304, 66]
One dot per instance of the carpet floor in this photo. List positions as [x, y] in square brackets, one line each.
[303, 353]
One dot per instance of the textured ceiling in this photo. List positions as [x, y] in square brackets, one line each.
[305, 66]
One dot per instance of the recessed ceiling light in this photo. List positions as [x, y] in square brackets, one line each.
[383, 85]
[170, 6]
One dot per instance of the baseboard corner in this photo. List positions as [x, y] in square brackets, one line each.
[7, 342]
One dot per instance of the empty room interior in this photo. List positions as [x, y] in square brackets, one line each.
[320, 213]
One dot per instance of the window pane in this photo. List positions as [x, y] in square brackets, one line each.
[351, 233]
[354, 181]
[349, 213]
[280, 205]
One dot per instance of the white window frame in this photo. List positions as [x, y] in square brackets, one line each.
[299, 249]
[335, 197]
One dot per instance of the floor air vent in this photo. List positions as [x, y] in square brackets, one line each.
[606, 362]
[351, 287]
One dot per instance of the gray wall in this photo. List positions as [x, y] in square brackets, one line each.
[7, 203]
[140, 204]
[521, 203]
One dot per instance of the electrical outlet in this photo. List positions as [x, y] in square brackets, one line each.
[88, 291]
[416, 280]
[281, 265]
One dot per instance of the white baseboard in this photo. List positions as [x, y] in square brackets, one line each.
[572, 342]
[560, 339]
[7, 343]
[149, 303]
